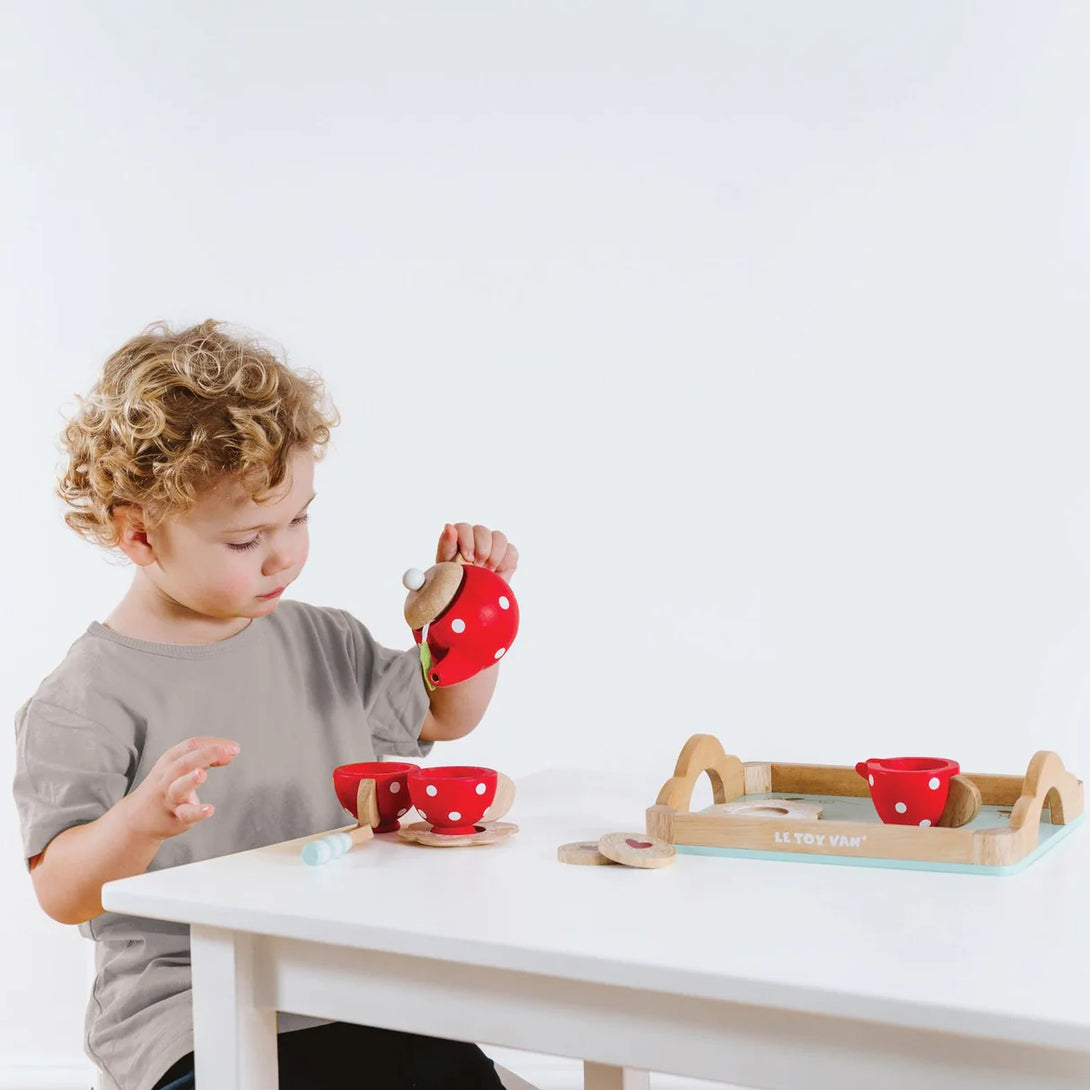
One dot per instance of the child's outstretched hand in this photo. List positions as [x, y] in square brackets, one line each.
[478, 545]
[166, 803]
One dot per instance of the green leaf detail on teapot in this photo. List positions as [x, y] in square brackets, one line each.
[425, 662]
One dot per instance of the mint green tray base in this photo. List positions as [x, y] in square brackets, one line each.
[843, 808]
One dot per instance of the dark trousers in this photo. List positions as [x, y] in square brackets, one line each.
[324, 1057]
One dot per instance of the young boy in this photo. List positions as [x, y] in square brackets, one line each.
[205, 715]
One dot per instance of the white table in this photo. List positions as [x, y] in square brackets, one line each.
[777, 975]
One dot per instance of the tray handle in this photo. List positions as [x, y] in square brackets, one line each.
[703, 753]
[1047, 783]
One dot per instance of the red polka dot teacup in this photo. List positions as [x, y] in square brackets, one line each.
[909, 790]
[452, 798]
[391, 789]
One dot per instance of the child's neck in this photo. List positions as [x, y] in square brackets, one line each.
[145, 613]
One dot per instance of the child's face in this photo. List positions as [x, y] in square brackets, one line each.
[230, 557]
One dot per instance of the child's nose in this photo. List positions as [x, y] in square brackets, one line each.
[277, 561]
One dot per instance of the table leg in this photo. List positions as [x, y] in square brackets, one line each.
[608, 1077]
[234, 1041]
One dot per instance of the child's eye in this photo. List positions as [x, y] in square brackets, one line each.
[255, 541]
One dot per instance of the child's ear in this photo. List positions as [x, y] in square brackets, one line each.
[133, 534]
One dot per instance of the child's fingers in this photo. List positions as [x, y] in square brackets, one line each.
[198, 753]
[447, 549]
[496, 551]
[477, 545]
[464, 534]
[222, 750]
[474, 542]
[212, 756]
[509, 563]
[190, 813]
[184, 788]
[481, 548]
[198, 742]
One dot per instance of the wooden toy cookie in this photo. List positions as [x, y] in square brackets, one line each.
[583, 853]
[637, 850]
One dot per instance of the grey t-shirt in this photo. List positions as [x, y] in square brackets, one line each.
[301, 690]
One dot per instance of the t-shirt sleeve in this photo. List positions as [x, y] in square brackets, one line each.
[394, 695]
[68, 771]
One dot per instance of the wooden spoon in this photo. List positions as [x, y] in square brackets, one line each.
[327, 846]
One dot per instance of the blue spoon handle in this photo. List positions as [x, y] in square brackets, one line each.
[334, 845]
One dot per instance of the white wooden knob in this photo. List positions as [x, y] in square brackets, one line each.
[413, 579]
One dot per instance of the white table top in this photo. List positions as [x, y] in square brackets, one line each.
[973, 954]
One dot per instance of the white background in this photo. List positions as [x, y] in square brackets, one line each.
[760, 328]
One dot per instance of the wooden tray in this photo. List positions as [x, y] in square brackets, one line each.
[1020, 816]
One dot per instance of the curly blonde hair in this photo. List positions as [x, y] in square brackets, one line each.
[173, 413]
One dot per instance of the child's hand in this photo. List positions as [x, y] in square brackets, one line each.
[166, 803]
[478, 545]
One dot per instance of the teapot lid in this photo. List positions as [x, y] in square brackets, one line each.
[427, 599]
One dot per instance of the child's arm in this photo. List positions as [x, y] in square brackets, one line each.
[69, 874]
[454, 711]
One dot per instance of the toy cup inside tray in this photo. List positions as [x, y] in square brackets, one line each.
[1006, 817]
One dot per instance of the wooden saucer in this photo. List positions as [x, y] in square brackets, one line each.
[491, 832]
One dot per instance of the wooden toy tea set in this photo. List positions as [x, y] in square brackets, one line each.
[461, 806]
[908, 812]
[464, 618]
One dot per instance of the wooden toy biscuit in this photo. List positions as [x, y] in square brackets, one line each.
[583, 853]
[637, 850]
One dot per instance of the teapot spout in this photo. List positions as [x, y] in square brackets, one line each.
[452, 668]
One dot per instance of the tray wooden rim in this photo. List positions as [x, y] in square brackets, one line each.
[1046, 784]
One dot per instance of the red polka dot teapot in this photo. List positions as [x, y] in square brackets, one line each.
[464, 618]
